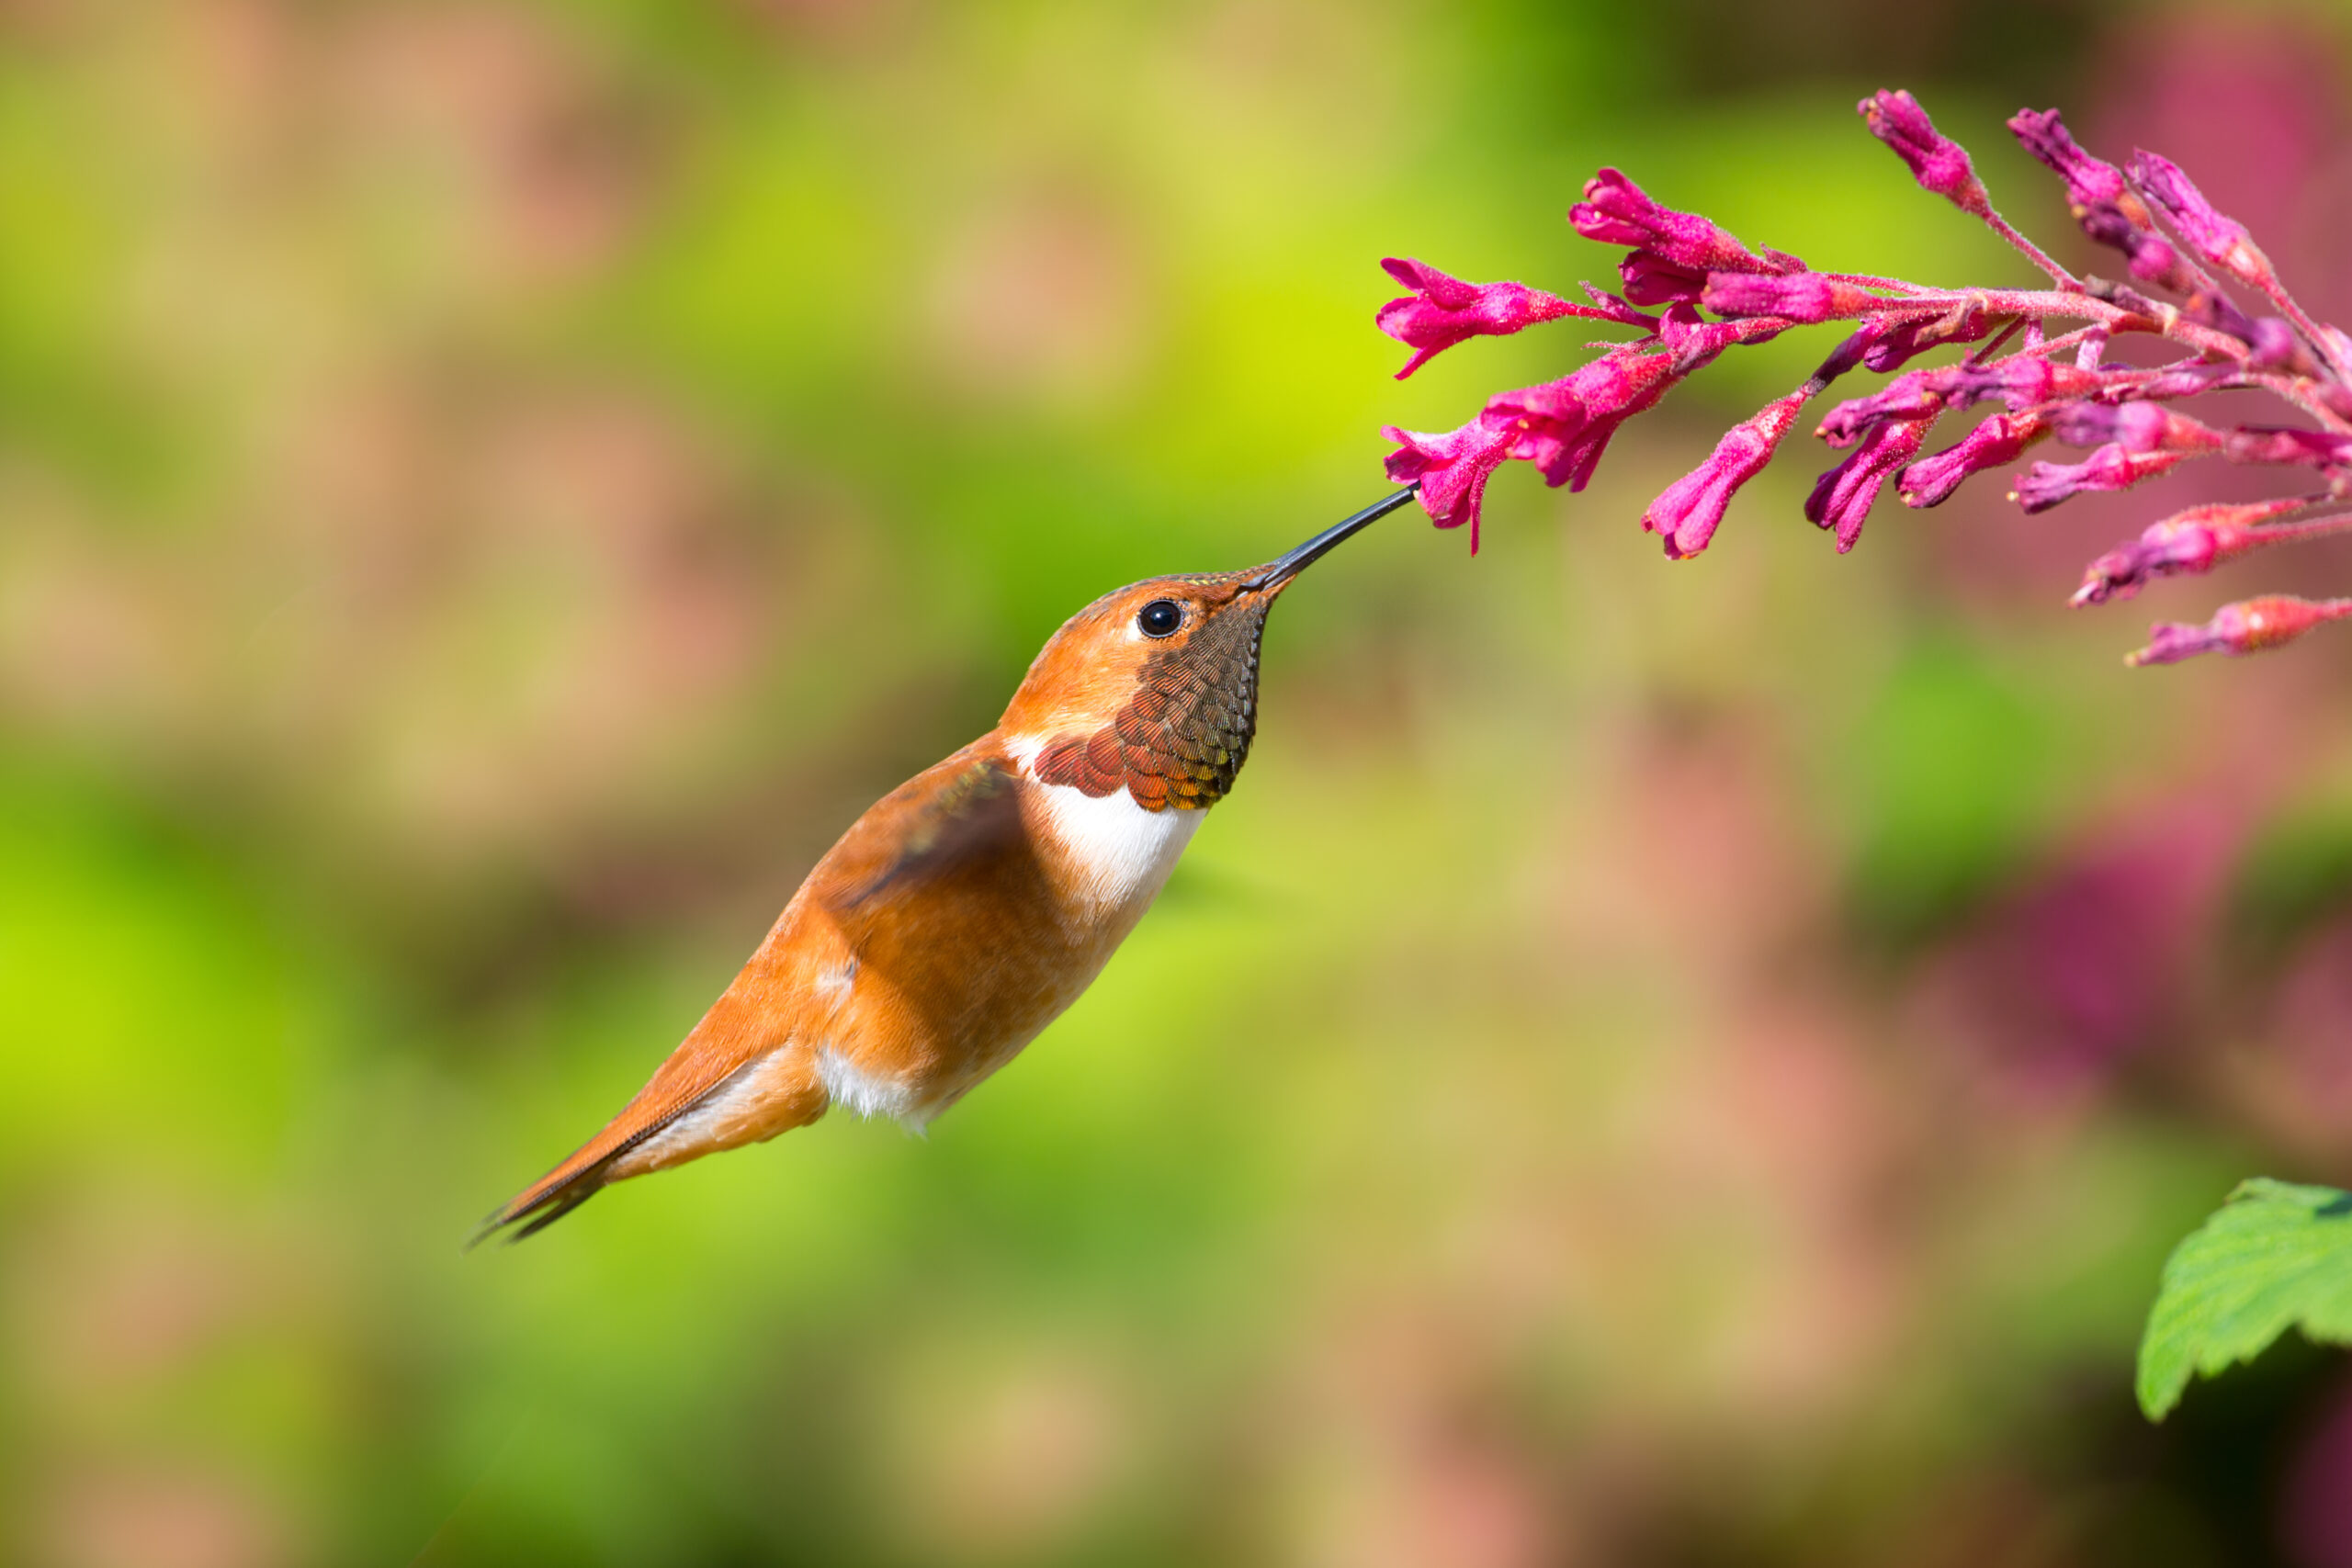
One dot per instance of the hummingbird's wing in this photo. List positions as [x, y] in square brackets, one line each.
[952, 823]
[730, 1083]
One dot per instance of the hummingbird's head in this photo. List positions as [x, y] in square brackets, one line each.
[1153, 688]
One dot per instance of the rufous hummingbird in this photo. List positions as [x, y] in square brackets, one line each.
[966, 908]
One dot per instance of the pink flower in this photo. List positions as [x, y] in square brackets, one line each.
[2090, 182]
[1936, 160]
[2277, 347]
[2113, 467]
[2148, 254]
[2315, 448]
[1452, 468]
[1898, 341]
[1841, 498]
[2195, 541]
[2023, 384]
[2057, 359]
[1693, 507]
[1998, 442]
[1443, 310]
[1564, 426]
[1914, 394]
[2136, 427]
[1560, 426]
[2030, 382]
[1616, 211]
[1804, 298]
[1651, 279]
[2247, 627]
[2221, 241]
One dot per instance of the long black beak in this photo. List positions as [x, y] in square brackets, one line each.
[1281, 571]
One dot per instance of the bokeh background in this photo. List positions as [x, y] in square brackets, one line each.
[1655, 1064]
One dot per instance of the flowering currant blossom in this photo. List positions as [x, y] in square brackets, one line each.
[2039, 356]
[1441, 311]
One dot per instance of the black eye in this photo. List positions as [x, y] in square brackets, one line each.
[1159, 617]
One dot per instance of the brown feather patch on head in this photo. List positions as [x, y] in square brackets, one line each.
[1180, 739]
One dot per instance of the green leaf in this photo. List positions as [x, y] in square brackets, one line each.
[2274, 1255]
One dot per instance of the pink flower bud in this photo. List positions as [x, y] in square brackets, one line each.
[2090, 182]
[2031, 382]
[2210, 308]
[2175, 380]
[1841, 498]
[2221, 241]
[2135, 426]
[2195, 541]
[1914, 394]
[1936, 161]
[2247, 627]
[1804, 298]
[2148, 254]
[1693, 507]
[2113, 467]
[1902, 341]
[1998, 442]
[2312, 448]
[1443, 310]
[2277, 347]
[1616, 211]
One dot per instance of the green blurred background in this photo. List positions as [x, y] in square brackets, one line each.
[1690, 1065]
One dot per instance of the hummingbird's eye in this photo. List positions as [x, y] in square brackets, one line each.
[1159, 617]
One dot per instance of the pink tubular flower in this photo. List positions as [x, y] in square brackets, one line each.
[1452, 467]
[1998, 442]
[1898, 341]
[1841, 498]
[1651, 279]
[1564, 426]
[2222, 240]
[2313, 448]
[2177, 380]
[1914, 394]
[2113, 467]
[2195, 541]
[1804, 298]
[2277, 347]
[2030, 382]
[2136, 427]
[1616, 211]
[1936, 160]
[2090, 182]
[2247, 627]
[2148, 254]
[1691, 508]
[2063, 358]
[1443, 310]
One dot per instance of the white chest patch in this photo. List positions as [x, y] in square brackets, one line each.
[1119, 853]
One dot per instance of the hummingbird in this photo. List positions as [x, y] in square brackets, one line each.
[970, 907]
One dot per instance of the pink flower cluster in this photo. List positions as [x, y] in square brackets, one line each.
[2040, 361]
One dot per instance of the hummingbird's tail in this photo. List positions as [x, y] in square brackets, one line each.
[681, 1115]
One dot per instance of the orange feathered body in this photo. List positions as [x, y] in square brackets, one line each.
[964, 910]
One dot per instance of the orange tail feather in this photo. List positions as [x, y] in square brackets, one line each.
[725, 1087]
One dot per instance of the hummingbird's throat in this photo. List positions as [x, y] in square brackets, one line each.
[1183, 735]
